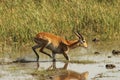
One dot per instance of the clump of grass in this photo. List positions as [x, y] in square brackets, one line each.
[83, 62]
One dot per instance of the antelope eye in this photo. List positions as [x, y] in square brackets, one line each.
[83, 41]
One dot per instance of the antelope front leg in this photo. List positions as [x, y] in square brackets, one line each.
[66, 56]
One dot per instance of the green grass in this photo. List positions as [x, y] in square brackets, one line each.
[81, 61]
[20, 20]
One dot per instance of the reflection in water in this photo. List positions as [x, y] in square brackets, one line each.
[63, 74]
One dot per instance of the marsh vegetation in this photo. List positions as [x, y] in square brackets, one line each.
[21, 20]
[97, 20]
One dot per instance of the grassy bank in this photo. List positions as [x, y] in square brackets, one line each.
[20, 20]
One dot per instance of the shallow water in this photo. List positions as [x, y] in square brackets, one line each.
[97, 70]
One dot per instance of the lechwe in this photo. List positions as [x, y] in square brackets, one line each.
[56, 44]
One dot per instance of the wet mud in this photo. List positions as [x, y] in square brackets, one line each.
[95, 63]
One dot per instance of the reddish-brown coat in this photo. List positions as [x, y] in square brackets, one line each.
[56, 44]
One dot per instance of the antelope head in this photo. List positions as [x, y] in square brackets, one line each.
[81, 40]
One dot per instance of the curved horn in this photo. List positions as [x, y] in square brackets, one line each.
[76, 33]
[80, 35]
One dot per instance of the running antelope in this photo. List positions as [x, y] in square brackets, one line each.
[56, 44]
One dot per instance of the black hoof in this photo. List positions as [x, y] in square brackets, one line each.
[54, 60]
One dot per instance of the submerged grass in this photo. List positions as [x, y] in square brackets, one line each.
[80, 61]
[83, 62]
[21, 20]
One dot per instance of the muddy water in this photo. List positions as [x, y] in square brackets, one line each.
[97, 71]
